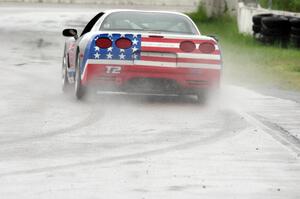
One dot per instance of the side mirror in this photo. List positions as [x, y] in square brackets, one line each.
[213, 36]
[70, 33]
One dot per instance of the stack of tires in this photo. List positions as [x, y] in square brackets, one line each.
[276, 29]
[295, 31]
[257, 24]
[270, 29]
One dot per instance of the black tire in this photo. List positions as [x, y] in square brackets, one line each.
[256, 28]
[295, 40]
[272, 32]
[295, 22]
[257, 18]
[268, 39]
[202, 97]
[270, 36]
[295, 37]
[80, 90]
[295, 31]
[66, 86]
[276, 23]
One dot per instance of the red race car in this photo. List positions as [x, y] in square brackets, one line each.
[152, 52]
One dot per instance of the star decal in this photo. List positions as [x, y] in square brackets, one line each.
[134, 56]
[135, 41]
[109, 56]
[97, 55]
[110, 36]
[122, 56]
[110, 49]
[134, 49]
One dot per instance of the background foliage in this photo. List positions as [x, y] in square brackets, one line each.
[288, 5]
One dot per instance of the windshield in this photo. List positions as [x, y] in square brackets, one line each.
[149, 22]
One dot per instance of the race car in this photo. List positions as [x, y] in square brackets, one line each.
[146, 52]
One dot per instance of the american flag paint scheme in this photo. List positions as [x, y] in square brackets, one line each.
[150, 61]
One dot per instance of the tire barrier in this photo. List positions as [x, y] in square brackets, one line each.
[271, 29]
[295, 32]
[257, 22]
[256, 28]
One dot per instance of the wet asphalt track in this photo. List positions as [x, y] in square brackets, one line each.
[115, 146]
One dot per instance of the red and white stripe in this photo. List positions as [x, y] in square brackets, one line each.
[175, 57]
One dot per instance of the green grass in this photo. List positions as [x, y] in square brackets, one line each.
[287, 5]
[250, 63]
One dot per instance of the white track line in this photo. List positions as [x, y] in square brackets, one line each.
[284, 138]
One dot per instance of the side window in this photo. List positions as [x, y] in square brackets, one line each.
[90, 25]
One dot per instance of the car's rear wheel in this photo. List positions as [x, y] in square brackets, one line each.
[201, 97]
[66, 86]
[80, 90]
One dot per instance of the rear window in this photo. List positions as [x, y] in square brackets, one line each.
[149, 22]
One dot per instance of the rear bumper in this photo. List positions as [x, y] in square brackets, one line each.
[133, 78]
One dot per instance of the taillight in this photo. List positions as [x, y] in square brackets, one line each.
[187, 46]
[103, 42]
[123, 43]
[207, 48]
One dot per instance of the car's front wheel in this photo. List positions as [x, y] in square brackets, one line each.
[80, 90]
